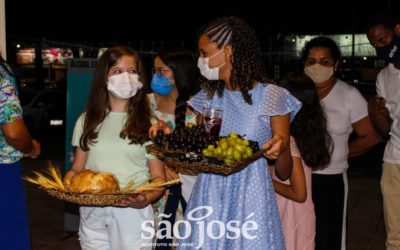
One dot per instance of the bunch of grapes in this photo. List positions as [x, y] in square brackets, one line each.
[189, 139]
[195, 143]
[230, 149]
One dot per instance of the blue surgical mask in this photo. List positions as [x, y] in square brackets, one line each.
[159, 85]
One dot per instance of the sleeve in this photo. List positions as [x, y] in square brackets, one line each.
[78, 130]
[10, 107]
[357, 104]
[380, 85]
[278, 101]
[147, 155]
[198, 101]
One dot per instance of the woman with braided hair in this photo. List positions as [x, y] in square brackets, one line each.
[239, 211]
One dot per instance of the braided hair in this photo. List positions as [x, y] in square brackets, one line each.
[247, 66]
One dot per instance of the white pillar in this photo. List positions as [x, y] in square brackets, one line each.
[3, 48]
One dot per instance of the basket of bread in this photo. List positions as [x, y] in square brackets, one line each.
[90, 188]
[192, 150]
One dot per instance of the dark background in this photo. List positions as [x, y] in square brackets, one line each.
[97, 22]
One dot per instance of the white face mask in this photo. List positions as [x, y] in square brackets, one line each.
[206, 71]
[124, 85]
[318, 73]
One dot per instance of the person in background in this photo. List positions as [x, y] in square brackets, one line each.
[15, 142]
[111, 137]
[311, 147]
[175, 80]
[383, 32]
[346, 110]
[230, 58]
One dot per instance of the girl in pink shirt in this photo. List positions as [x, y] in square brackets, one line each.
[311, 147]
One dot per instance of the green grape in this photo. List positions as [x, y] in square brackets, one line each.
[228, 162]
[231, 141]
[229, 149]
[223, 144]
[217, 151]
[239, 147]
[236, 155]
[229, 153]
[233, 135]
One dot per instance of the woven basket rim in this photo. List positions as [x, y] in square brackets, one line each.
[88, 199]
[199, 167]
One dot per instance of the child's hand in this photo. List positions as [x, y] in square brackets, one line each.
[137, 201]
[68, 177]
[159, 125]
[273, 147]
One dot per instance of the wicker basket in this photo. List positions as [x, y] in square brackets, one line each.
[207, 165]
[51, 182]
[86, 199]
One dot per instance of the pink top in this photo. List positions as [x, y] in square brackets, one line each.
[298, 219]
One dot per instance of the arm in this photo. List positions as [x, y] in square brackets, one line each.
[17, 135]
[367, 137]
[297, 190]
[157, 174]
[278, 146]
[78, 165]
[379, 115]
[142, 200]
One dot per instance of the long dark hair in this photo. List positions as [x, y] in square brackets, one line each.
[247, 65]
[186, 75]
[309, 125]
[138, 122]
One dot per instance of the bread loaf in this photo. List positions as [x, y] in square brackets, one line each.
[89, 181]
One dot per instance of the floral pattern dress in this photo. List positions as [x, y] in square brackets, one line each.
[10, 110]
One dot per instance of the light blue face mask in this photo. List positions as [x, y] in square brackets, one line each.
[159, 85]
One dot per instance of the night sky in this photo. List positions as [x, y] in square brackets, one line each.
[149, 20]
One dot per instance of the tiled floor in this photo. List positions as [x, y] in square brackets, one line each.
[365, 219]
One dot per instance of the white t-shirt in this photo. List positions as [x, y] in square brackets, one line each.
[343, 106]
[388, 87]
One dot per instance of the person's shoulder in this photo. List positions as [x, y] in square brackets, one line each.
[390, 69]
[349, 90]
[81, 118]
[384, 71]
[344, 86]
[271, 89]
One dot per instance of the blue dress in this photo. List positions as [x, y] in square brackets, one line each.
[239, 211]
